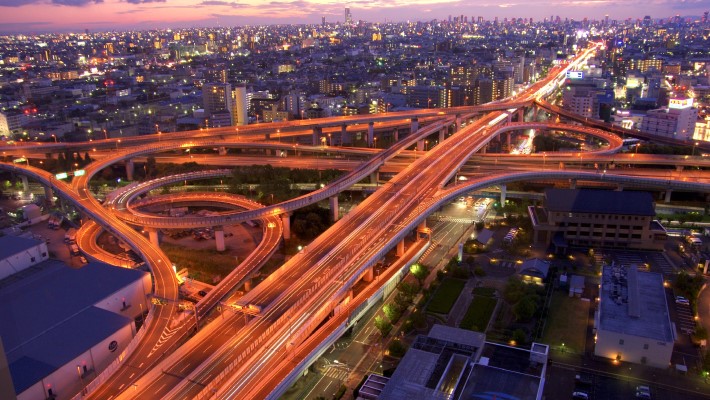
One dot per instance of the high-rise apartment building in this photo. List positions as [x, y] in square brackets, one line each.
[348, 16]
[217, 101]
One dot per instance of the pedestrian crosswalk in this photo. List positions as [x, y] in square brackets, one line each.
[461, 220]
[339, 373]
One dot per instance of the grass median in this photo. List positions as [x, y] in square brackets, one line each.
[446, 296]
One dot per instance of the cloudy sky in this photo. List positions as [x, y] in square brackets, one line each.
[99, 15]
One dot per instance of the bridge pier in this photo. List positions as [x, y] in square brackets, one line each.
[334, 208]
[400, 248]
[535, 111]
[503, 193]
[414, 126]
[317, 132]
[219, 237]
[370, 134]
[344, 134]
[247, 285]
[442, 135]
[668, 196]
[395, 134]
[510, 118]
[25, 183]
[573, 184]
[153, 236]
[49, 195]
[222, 151]
[679, 168]
[508, 137]
[521, 115]
[375, 177]
[130, 168]
[457, 124]
[286, 222]
[484, 148]
[420, 145]
[369, 275]
[619, 188]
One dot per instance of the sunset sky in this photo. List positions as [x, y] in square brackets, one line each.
[100, 15]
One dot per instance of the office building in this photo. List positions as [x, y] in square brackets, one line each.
[632, 322]
[217, 101]
[676, 121]
[597, 218]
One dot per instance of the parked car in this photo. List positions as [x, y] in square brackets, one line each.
[580, 396]
[682, 300]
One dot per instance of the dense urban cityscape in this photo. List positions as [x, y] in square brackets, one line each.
[469, 207]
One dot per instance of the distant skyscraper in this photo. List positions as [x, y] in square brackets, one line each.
[323, 20]
[348, 16]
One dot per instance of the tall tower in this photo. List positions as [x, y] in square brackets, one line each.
[348, 16]
[217, 101]
[240, 106]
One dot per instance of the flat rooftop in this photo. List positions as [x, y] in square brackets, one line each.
[49, 317]
[624, 202]
[634, 303]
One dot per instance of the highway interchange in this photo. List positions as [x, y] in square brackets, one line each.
[293, 302]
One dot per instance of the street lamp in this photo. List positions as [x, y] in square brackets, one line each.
[375, 144]
[426, 145]
[278, 134]
[54, 137]
[544, 159]
[694, 146]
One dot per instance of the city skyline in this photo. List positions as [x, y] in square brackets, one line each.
[39, 16]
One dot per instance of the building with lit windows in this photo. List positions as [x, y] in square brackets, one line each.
[597, 218]
[676, 121]
[217, 101]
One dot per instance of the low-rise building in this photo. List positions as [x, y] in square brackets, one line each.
[62, 326]
[632, 322]
[597, 218]
[452, 363]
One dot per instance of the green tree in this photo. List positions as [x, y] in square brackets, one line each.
[383, 325]
[525, 309]
[396, 348]
[519, 336]
[420, 272]
[392, 312]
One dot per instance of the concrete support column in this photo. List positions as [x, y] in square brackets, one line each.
[484, 149]
[344, 134]
[668, 196]
[130, 167]
[317, 132]
[49, 195]
[508, 136]
[334, 212]
[370, 134]
[503, 193]
[619, 188]
[219, 238]
[369, 274]
[442, 135]
[457, 125]
[535, 111]
[420, 145]
[375, 177]
[414, 127]
[679, 168]
[247, 285]
[286, 222]
[400, 248]
[510, 118]
[25, 184]
[521, 115]
[222, 151]
[395, 133]
[573, 184]
[153, 236]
